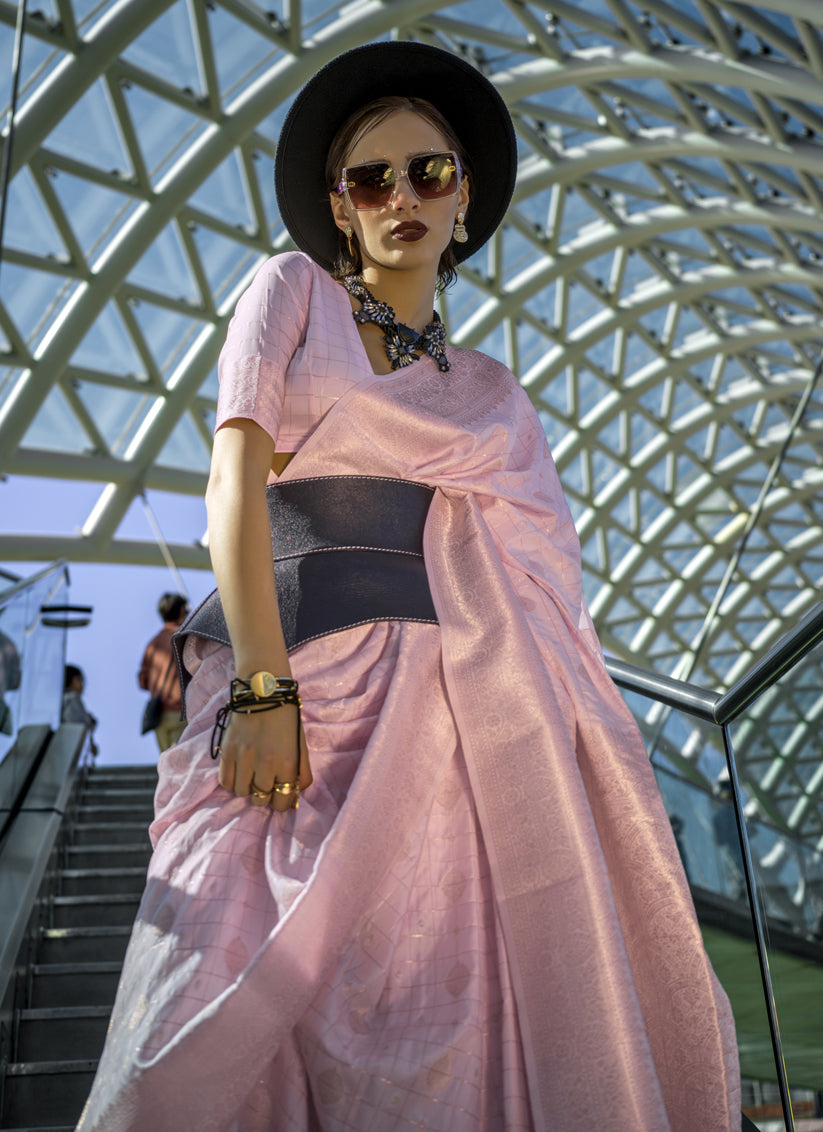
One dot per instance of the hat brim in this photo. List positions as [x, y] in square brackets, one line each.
[466, 99]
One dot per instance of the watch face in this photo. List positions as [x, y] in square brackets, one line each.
[263, 684]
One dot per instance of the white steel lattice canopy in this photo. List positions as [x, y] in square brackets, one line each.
[656, 287]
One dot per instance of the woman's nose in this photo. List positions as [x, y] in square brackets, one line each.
[404, 195]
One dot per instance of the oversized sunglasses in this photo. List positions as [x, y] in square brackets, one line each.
[372, 184]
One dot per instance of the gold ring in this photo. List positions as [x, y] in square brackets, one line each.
[285, 788]
[256, 792]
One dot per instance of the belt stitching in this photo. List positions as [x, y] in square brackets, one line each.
[329, 549]
[373, 479]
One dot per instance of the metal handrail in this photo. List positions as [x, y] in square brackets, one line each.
[782, 657]
[724, 707]
[664, 689]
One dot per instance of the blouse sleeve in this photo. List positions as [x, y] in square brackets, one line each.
[268, 325]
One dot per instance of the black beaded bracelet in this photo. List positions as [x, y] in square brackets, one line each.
[243, 699]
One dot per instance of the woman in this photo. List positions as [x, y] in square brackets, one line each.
[477, 919]
[72, 708]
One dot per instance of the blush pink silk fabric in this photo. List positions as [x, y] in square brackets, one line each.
[477, 919]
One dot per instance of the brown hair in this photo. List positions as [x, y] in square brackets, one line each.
[170, 606]
[347, 137]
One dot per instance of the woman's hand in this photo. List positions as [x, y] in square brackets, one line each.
[262, 747]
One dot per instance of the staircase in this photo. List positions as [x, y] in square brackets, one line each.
[70, 964]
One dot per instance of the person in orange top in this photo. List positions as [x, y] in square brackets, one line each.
[158, 674]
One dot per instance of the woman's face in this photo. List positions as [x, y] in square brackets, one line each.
[406, 232]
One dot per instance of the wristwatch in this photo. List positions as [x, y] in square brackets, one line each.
[264, 684]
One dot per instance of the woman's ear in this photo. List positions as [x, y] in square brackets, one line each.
[463, 196]
[338, 210]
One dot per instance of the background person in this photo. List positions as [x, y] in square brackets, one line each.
[158, 671]
[10, 677]
[72, 709]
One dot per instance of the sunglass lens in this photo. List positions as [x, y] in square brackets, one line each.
[433, 175]
[370, 186]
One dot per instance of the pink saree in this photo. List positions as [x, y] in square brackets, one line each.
[477, 919]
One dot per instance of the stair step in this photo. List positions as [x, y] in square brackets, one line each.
[124, 855]
[140, 778]
[110, 833]
[84, 945]
[89, 911]
[43, 1128]
[59, 1033]
[39, 1093]
[117, 775]
[119, 792]
[95, 814]
[74, 984]
[100, 882]
[111, 797]
[114, 785]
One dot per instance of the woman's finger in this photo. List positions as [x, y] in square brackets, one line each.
[259, 795]
[238, 750]
[260, 751]
[225, 775]
[244, 749]
[293, 774]
[306, 778]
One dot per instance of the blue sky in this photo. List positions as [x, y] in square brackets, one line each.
[110, 649]
[125, 617]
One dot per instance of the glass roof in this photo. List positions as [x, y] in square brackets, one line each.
[656, 286]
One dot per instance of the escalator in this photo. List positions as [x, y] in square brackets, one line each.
[70, 961]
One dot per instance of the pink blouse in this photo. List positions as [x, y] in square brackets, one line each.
[292, 350]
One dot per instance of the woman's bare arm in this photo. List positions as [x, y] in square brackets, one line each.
[261, 746]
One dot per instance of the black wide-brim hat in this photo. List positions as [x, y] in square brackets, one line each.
[467, 100]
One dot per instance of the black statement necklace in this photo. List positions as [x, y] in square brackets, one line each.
[403, 345]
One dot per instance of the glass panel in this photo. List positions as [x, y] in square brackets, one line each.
[89, 132]
[12, 638]
[44, 654]
[705, 830]
[779, 749]
[706, 835]
[32, 658]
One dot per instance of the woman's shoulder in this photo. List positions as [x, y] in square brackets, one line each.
[485, 368]
[490, 381]
[295, 268]
[286, 283]
[291, 277]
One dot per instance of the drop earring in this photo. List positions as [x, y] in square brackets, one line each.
[347, 232]
[460, 234]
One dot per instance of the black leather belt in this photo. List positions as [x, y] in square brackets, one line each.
[347, 550]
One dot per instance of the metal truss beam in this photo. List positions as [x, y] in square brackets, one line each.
[280, 81]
